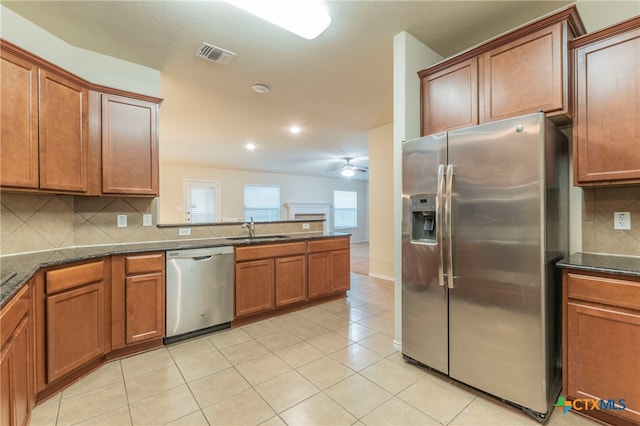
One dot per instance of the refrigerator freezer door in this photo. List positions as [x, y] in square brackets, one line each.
[496, 339]
[424, 300]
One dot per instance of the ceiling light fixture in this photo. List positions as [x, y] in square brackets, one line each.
[347, 172]
[260, 88]
[250, 147]
[308, 18]
[294, 129]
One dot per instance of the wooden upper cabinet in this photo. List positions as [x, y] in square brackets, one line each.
[63, 133]
[520, 72]
[527, 75]
[606, 129]
[450, 98]
[18, 122]
[129, 146]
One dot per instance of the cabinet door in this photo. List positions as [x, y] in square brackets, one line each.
[526, 75]
[607, 128]
[603, 349]
[339, 270]
[144, 307]
[318, 278]
[21, 375]
[6, 394]
[75, 329]
[18, 122]
[129, 146]
[291, 273]
[63, 133]
[450, 98]
[254, 287]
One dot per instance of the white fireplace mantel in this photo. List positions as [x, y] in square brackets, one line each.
[321, 210]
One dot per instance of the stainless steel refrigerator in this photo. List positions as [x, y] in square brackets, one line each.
[485, 218]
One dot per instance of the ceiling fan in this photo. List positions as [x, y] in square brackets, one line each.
[348, 170]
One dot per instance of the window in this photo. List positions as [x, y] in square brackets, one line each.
[345, 209]
[202, 201]
[261, 202]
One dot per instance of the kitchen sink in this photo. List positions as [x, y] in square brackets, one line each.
[260, 238]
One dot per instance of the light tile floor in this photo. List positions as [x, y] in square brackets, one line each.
[331, 364]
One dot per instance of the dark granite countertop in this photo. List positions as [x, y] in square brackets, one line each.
[17, 269]
[621, 265]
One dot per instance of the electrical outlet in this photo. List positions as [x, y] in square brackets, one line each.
[184, 231]
[305, 226]
[147, 220]
[622, 220]
[122, 220]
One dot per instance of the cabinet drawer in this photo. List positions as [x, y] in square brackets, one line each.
[143, 264]
[610, 291]
[13, 313]
[328, 245]
[269, 250]
[74, 276]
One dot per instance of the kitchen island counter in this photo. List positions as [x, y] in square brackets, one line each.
[17, 269]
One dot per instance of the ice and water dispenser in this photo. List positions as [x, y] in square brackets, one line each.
[423, 218]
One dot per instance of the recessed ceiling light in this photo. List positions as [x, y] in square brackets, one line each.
[250, 147]
[260, 88]
[307, 19]
[294, 129]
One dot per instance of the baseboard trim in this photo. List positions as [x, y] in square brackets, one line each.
[397, 345]
[382, 277]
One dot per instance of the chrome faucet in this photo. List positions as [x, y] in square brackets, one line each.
[251, 227]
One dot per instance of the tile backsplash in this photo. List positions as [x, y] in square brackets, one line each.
[43, 222]
[598, 206]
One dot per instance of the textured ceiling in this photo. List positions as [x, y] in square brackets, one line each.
[336, 87]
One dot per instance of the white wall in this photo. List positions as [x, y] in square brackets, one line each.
[381, 237]
[409, 57]
[293, 189]
[94, 67]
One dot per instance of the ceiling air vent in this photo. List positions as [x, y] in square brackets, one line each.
[215, 54]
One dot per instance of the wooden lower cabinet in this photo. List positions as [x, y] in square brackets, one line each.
[75, 329]
[137, 299]
[290, 280]
[329, 266]
[601, 339]
[254, 287]
[340, 266]
[319, 282]
[72, 322]
[16, 390]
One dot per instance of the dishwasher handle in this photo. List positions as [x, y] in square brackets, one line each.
[202, 258]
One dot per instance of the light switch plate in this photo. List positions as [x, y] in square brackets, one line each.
[121, 220]
[622, 221]
[184, 231]
[147, 220]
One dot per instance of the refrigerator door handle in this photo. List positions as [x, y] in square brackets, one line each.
[448, 219]
[439, 227]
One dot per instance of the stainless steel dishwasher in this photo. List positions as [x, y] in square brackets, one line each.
[199, 291]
